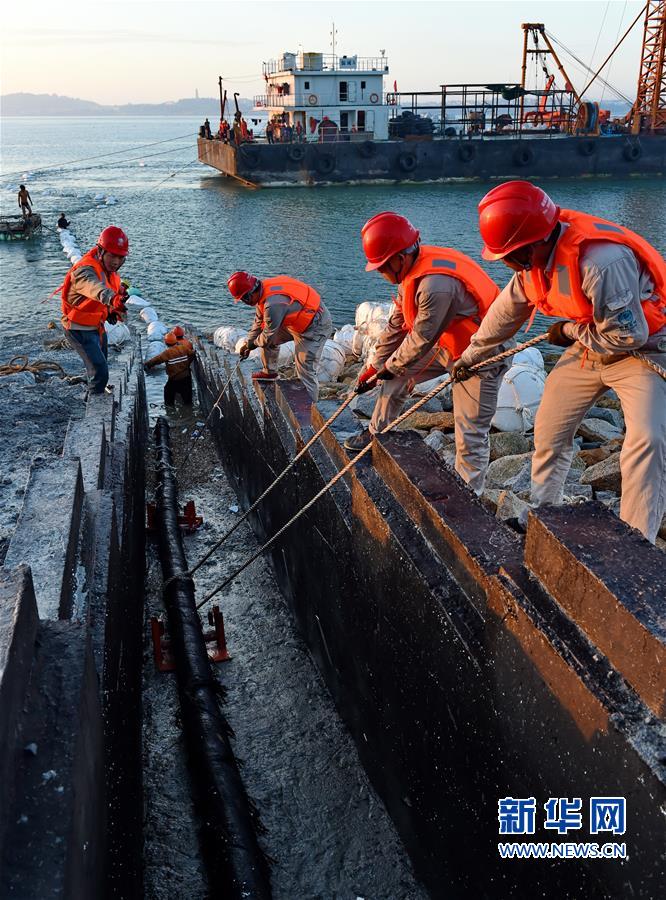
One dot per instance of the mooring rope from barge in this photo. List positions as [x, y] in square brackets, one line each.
[401, 418]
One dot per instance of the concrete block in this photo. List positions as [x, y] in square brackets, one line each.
[86, 441]
[18, 627]
[56, 844]
[469, 539]
[612, 583]
[46, 535]
[103, 407]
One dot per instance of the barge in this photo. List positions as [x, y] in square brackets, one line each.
[331, 121]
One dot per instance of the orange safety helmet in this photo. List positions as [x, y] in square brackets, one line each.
[513, 215]
[114, 240]
[178, 331]
[170, 339]
[240, 284]
[384, 235]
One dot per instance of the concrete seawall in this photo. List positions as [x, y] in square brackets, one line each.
[468, 664]
[71, 616]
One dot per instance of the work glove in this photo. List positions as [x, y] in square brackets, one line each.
[557, 336]
[384, 374]
[366, 380]
[460, 372]
[118, 308]
[112, 318]
[246, 348]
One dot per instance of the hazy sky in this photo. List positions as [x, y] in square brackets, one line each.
[118, 52]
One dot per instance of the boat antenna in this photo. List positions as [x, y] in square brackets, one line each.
[334, 33]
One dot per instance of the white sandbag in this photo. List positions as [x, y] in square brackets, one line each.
[156, 330]
[110, 201]
[154, 348]
[117, 334]
[149, 315]
[332, 362]
[371, 319]
[358, 342]
[98, 197]
[531, 358]
[285, 353]
[370, 311]
[345, 337]
[137, 301]
[227, 337]
[74, 258]
[519, 398]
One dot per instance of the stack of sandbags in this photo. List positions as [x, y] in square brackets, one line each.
[520, 392]
[227, 337]
[332, 362]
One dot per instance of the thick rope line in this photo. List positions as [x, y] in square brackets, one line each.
[13, 367]
[401, 418]
[660, 370]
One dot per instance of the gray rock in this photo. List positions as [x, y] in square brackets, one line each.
[363, 405]
[25, 379]
[572, 490]
[612, 416]
[508, 443]
[438, 440]
[432, 406]
[509, 506]
[504, 472]
[605, 475]
[598, 430]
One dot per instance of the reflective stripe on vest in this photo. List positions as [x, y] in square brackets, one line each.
[564, 296]
[88, 311]
[297, 292]
[445, 261]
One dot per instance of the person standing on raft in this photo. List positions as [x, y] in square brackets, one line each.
[609, 284]
[92, 294]
[285, 310]
[442, 297]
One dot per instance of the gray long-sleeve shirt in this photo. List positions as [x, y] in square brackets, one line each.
[86, 285]
[614, 282]
[267, 329]
[439, 299]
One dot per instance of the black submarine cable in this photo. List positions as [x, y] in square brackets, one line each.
[237, 867]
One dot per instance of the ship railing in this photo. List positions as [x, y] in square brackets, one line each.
[325, 62]
[341, 136]
[471, 110]
[317, 100]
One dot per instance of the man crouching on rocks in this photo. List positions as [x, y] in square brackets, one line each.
[442, 297]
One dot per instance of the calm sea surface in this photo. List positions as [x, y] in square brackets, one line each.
[189, 230]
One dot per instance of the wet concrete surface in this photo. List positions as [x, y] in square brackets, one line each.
[327, 831]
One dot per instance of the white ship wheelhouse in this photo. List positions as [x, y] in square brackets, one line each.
[327, 97]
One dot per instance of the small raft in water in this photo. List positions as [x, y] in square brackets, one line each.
[17, 228]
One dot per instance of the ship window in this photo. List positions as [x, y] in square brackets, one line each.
[306, 85]
[363, 85]
[360, 120]
[343, 91]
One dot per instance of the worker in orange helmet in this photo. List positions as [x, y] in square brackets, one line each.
[285, 310]
[177, 358]
[442, 297]
[607, 287]
[92, 294]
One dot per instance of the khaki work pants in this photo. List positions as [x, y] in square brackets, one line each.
[308, 348]
[574, 385]
[474, 404]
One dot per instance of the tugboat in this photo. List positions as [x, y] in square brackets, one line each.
[330, 120]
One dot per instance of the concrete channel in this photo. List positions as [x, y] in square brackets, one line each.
[400, 661]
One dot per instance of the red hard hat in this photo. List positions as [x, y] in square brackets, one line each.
[178, 331]
[513, 215]
[384, 235]
[170, 339]
[240, 283]
[114, 240]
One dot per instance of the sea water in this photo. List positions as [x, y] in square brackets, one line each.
[189, 227]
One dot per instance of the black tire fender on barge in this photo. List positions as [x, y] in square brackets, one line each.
[367, 149]
[523, 156]
[587, 147]
[632, 152]
[325, 163]
[249, 156]
[407, 161]
[466, 152]
[296, 152]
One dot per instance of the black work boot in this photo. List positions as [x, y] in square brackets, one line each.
[358, 441]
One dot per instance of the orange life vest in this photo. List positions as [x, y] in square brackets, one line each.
[564, 295]
[88, 311]
[300, 320]
[445, 261]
